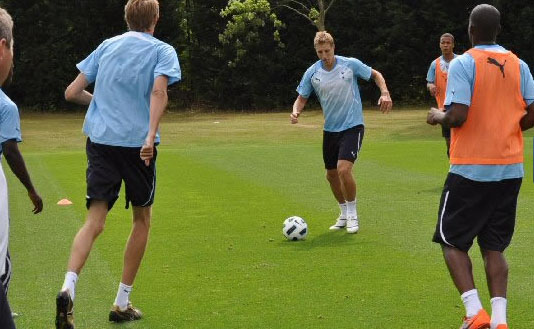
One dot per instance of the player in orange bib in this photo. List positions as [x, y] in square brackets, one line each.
[489, 101]
[437, 78]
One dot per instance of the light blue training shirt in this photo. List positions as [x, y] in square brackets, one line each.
[337, 91]
[460, 85]
[444, 66]
[123, 69]
[9, 120]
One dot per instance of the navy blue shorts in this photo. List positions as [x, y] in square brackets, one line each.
[109, 165]
[6, 319]
[343, 145]
[485, 210]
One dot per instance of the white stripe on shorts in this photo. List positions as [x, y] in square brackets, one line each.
[441, 220]
[153, 188]
[6, 277]
[359, 142]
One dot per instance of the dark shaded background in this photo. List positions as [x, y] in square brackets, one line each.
[399, 38]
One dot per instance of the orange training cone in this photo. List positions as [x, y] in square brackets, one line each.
[64, 202]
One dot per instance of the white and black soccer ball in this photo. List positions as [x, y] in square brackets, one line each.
[295, 228]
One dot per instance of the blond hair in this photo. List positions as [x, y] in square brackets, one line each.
[6, 26]
[323, 37]
[140, 15]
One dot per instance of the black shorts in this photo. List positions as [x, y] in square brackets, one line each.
[446, 132]
[470, 209]
[6, 318]
[109, 165]
[343, 145]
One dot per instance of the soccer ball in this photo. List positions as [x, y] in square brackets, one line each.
[295, 228]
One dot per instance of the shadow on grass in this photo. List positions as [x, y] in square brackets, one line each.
[324, 240]
[130, 324]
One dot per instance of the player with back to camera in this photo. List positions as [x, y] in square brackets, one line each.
[131, 73]
[10, 136]
[334, 79]
[437, 78]
[490, 100]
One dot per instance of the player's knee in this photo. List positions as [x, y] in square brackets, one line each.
[332, 175]
[142, 220]
[494, 259]
[343, 170]
[96, 227]
[100, 228]
[141, 226]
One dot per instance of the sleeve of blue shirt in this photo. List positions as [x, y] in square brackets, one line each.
[431, 74]
[527, 84]
[9, 123]
[305, 87]
[89, 66]
[168, 64]
[460, 80]
[360, 70]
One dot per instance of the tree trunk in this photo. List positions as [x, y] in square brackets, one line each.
[321, 18]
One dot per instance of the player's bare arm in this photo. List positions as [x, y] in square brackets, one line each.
[527, 121]
[298, 106]
[431, 88]
[76, 92]
[158, 102]
[454, 117]
[384, 101]
[18, 167]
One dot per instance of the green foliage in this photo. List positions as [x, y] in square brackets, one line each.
[247, 54]
[246, 20]
[314, 14]
[50, 38]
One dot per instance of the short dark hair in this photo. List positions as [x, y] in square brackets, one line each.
[487, 21]
[447, 35]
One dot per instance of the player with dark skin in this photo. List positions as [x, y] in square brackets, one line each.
[446, 44]
[437, 89]
[18, 167]
[483, 29]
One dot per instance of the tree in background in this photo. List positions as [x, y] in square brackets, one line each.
[50, 38]
[252, 42]
[397, 37]
[517, 17]
[246, 22]
[314, 12]
[246, 19]
[253, 52]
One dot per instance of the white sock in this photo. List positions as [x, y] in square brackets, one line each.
[71, 278]
[123, 296]
[343, 210]
[498, 311]
[351, 209]
[471, 302]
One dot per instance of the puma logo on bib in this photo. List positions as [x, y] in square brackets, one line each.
[496, 63]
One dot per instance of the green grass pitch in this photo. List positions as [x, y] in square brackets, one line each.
[216, 256]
